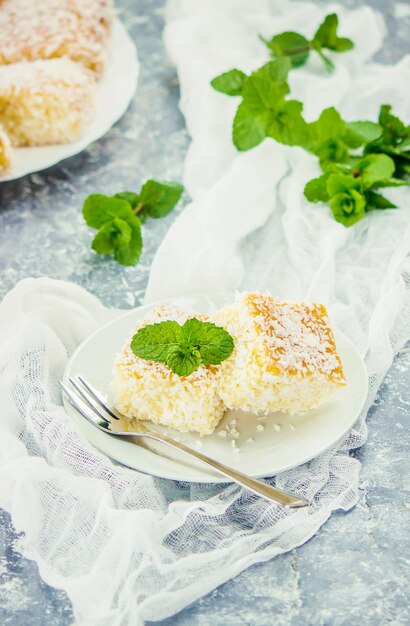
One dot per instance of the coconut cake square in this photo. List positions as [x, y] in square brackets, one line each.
[147, 390]
[285, 357]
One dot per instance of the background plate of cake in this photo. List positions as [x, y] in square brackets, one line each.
[68, 71]
[292, 388]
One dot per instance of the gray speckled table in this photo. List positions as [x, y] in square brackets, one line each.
[354, 571]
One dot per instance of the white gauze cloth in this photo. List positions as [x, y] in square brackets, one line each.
[127, 547]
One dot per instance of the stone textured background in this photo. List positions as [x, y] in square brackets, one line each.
[354, 571]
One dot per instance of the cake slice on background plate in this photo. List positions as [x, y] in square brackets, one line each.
[148, 390]
[285, 357]
[45, 102]
[47, 29]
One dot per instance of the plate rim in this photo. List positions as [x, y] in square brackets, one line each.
[85, 141]
[208, 477]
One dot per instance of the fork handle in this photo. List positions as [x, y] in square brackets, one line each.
[256, 486]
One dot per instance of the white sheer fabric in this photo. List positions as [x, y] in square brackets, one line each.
[127, 547]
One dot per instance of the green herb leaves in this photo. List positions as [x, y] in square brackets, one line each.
[183, 348]
[393, 140]
[230, 82]
[297, 48]
[357, 158]
[119, 231]
[349, 189]
[118, 218]
[265, 111]
[289, 44]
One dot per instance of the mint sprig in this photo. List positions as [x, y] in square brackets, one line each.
[394, 140]
[118, 218]
[350, 190]
[264, 111]
[298, 48]
[183, 348]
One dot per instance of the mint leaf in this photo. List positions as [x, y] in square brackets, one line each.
[131, 197]
[183, 362]
[115, 217]
[265, 112]
[328, 138]
[230, 83]
[377, 201]
[374, 168]
[102, 243]
[213, 342]
[99, 209]
[328, 126]
[248, 129]
[119, 229]
[127, 242]
[348, 207]
[394, 141]
[276, 70]
[158, 198]
[364, 132]
[339, 183]
[392, 182]
[183, 348]
[326, 36]
[286, 124]
[393, 128]
[290, 44]
[261, 94]
[120, 238]
[316, 189]
[155, 341]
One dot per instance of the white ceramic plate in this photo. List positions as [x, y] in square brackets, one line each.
[299, 439]
[114, 93]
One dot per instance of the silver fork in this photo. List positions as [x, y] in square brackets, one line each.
[92, 405]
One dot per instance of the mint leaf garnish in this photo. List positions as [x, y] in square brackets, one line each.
[377, 201]
[249, 129]
[290, 44]
[348, 207]
[338, 183]
[183, 348]
[230, 82]
[394, 141]
[118, 218]
[183, 362]
[155, 341]
[329, 138]
[374, 168]
[98, 210]
[316, 189]
[131, 197]
[326, 36]
[297, 48]
[362, 132]
[265, 112]
[158, 198]
[119, 229]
